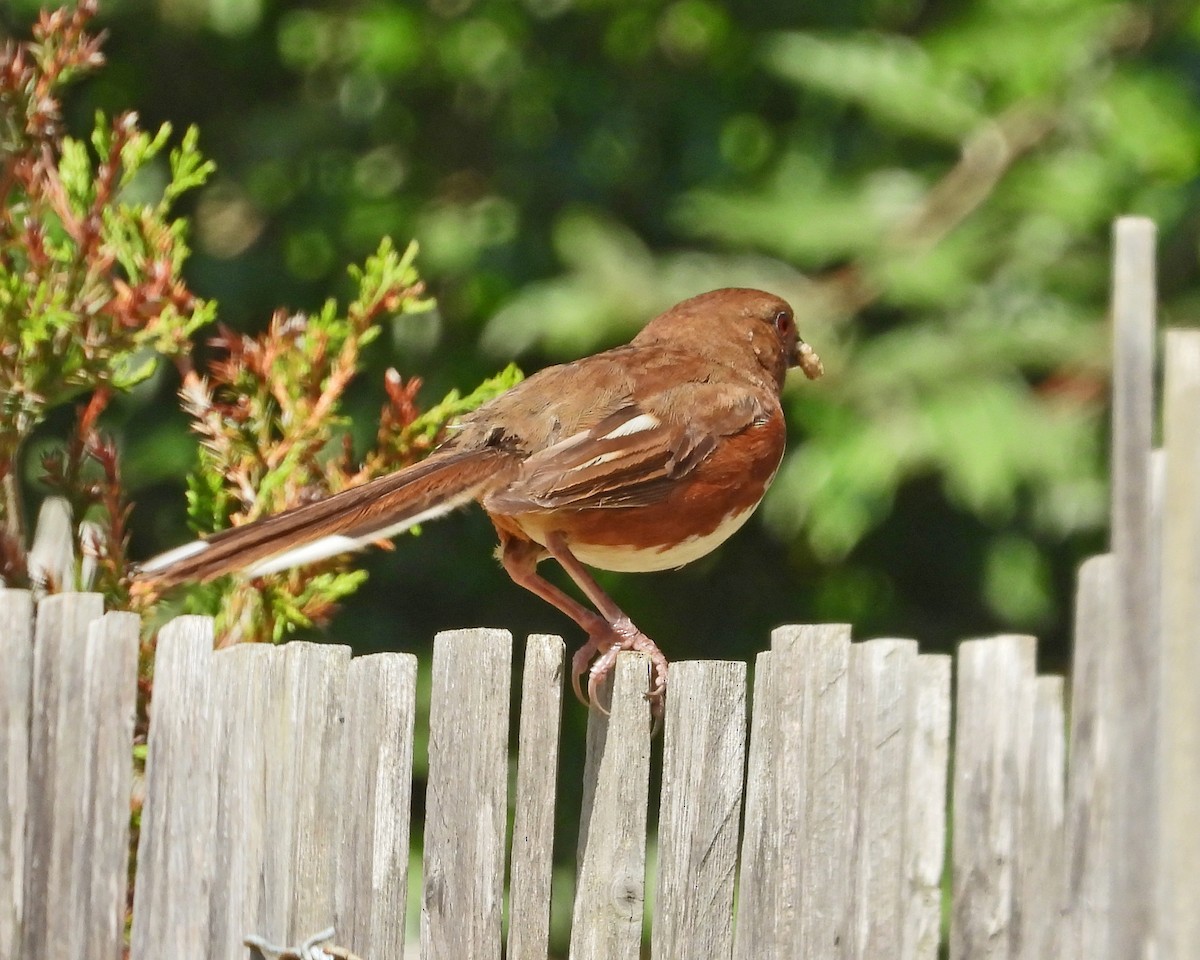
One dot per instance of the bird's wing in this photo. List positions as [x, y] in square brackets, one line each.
[630, 457]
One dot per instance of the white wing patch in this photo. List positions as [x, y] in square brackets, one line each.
[164, 560]
[642, 423]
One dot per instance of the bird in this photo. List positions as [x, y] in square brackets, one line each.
[639, 458]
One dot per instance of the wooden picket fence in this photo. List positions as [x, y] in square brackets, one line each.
[278, 784]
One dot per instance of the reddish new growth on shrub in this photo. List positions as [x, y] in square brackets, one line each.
[92, 298]
[91, 294]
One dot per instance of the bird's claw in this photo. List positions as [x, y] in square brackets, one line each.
[620, 637]
[581, 664]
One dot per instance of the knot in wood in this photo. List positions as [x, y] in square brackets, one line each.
[628, 892]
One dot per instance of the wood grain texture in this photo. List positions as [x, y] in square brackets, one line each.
[811, 667]
[314, 683]
[467, 796]
[59, 745]
[754, 931]
[532, 861]
[100, 858]
[993, 729]
[245, 682]
[703, 759]
[925, 817]
[175, 853]
[1180, 796]
[1137, 666]
[881, 681]
[1041, 825]
[16, 653]
[610, 889]
[1087, 827]
[375, 804]
[280, 780]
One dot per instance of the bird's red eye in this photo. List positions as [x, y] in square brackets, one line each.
[783, 321]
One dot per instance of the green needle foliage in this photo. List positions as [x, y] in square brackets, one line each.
[269, 414]
[91, 296]
[92, 300]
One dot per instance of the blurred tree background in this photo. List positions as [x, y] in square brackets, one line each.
[931, 184]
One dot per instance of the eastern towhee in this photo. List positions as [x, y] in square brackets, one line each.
[642, 457]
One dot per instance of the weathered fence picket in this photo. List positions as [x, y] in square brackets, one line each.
[1136, 651]
[1087, 833]
[925, 816]
[175, 846]
[532, 862]
[991, 746]
[278, 782]
[813, 871]
[880, 723]
[305, 786]
[1041, 864]
[58, 747]
[1180, 721]
[463, 881]
[242, 687]
[16, 653]
[703, 759]
[375, 798]
[611, 884]
[754, 932]
[100, 857]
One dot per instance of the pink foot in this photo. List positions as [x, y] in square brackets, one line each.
[620, 636]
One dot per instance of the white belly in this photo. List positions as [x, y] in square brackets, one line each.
[625, 560]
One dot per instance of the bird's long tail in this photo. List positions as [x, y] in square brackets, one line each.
[346, 521]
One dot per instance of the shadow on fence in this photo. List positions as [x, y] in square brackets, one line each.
[278, 780]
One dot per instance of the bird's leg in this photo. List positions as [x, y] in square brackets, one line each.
[621, 632]
[609, 632]
[519, 559]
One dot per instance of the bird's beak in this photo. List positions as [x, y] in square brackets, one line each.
[807, 360]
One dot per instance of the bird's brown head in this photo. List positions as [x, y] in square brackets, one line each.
[740, 325]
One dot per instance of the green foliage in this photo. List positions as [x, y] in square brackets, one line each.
[271, 407]
[274, 435]
[92, 298]
[985, 375]
[930, 184]
[892, 78]
[91, 279]
[428, 426]
[91, 294]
